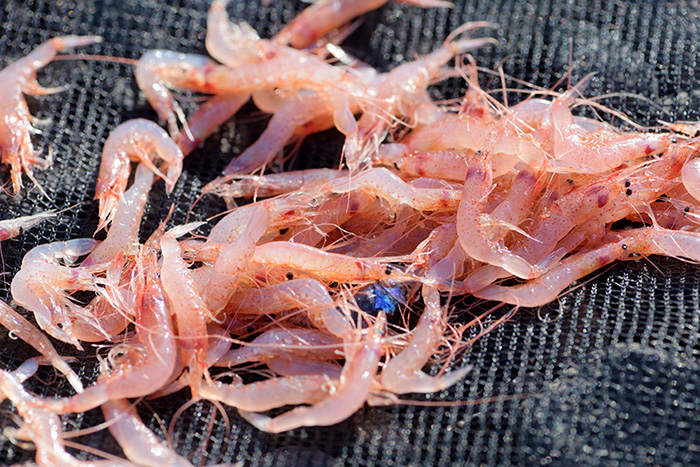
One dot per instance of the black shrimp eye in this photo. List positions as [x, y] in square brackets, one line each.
[628, 192]
[289, 276]
[627, 183]
[624, 247]
[388, 270]
[687, 209]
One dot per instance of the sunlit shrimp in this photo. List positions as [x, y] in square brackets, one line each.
[42, 427]
[139, 443]
[446, 164]
[12, 227]
[135, 140]
[382, 182]
[155, 87]
[17, 79]
[152, 352]
[284, 343]
[44, 281]
[309, 295]
[123, 233]
[404, 88]
[362, 361]
[324, 16]
[474, 235]
[233, 261]
[403, 373]
[597, 152]
[264, 186]
[20, 327]
[329, 266]
[191, 312]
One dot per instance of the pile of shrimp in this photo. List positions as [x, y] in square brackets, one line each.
[333, 283]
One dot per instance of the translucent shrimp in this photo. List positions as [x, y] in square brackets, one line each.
[156, 87]
[122, 237]
[17, 79]
[382, 182]
[42, 283]
[20, 327]
[362, 362]
[328, 266]
[190, 310]
[403, 373]
[12, 227]
[139, 443]
[153, 352]
[324, 16]
[264, 186]
[284, 343]
[473, 234]
[446, 164]
[135, 140]
[588, 152]
[233, 261]
[42, 427]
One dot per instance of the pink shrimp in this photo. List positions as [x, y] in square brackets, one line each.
[307, 294]
[284, 343]
[17, 79]
[446, 164]
[42, 282]
[12, 227]
[123, 234]
[152, 352]
[135, 140]
[41, 426]
[139, 443]
[473, 235]
[265, 186]
[326, 15]
[402, 374]
[190, 310]
[20, 327]
[233, 261]
[329, 266]
[362, 362]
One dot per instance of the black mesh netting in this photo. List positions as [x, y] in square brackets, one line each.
[607, 375]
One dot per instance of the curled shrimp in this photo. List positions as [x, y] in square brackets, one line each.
[42, 283]
[17, 79]
[12, 227]
[135, 140]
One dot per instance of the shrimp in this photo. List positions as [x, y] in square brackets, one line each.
[473, 236]
[445, 164]
[41, 284]
[156, 87]
[382, 182]
[265, 186]
[123, 234]
[41, 426]
[328, 266]
[284, 343]
[20, 327]
[402, 374]
[139, 443]
[152, 352]
[135, 140]
[362, 362]
[324, 16]
[10, 228]
[190, 310]
[309, 294]
[233, 260]
[17, 79]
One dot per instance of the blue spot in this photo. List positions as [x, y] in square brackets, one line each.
[382, 296]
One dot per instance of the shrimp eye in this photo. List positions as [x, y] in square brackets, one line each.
[687, 209]
[388, 270]
[624, 247]
[628, 192]
[627, 183]
[289, 276]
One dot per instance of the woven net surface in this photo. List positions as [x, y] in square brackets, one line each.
[607, 375]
